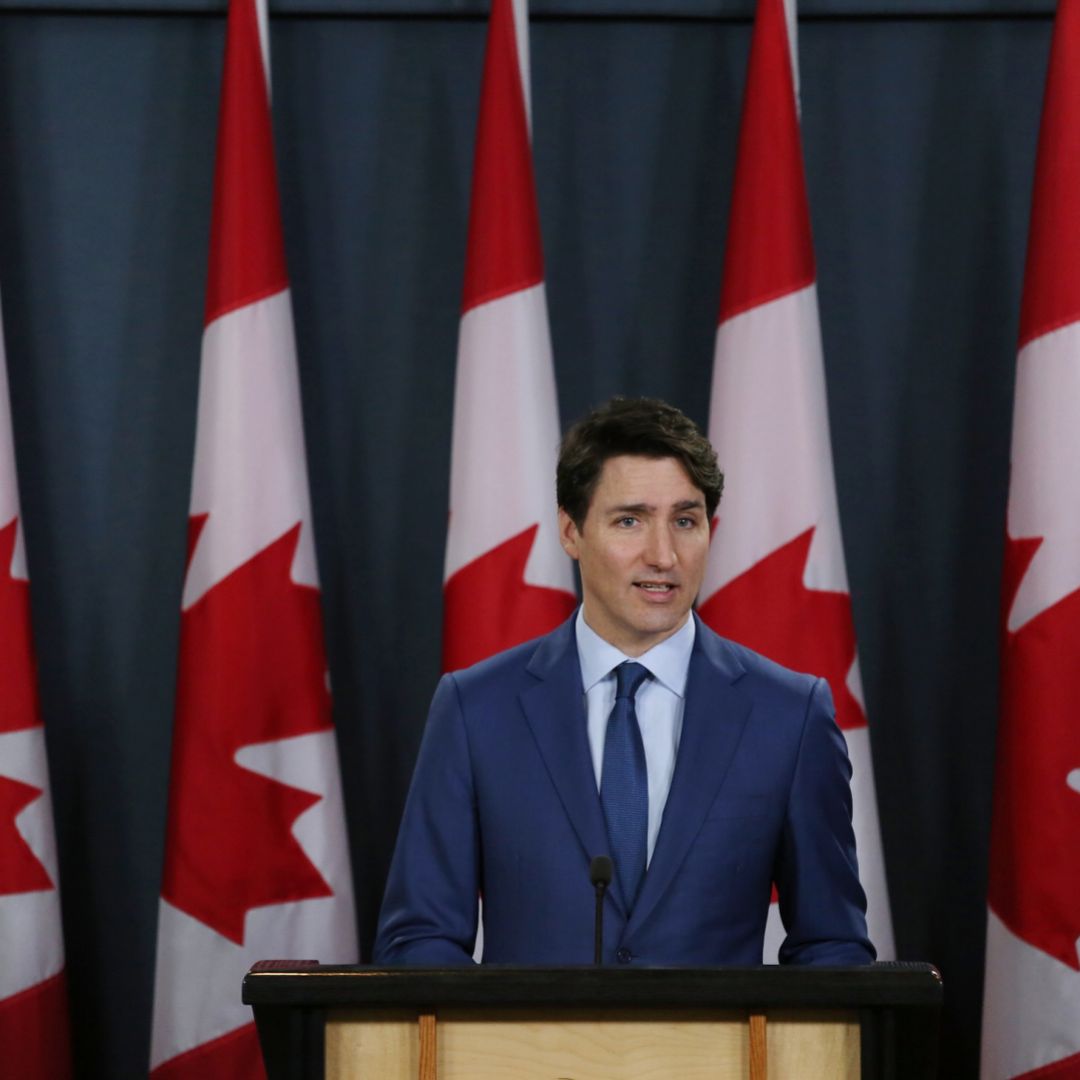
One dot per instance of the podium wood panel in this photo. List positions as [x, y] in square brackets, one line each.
[598, 1045]
[819, 1045]
[384, 1043]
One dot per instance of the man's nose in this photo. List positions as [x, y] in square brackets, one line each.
[660, 551]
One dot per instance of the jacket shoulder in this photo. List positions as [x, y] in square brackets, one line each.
[518, 666]
[751, 668]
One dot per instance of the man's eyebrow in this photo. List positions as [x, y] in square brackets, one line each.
[631, 508]
[648, 508]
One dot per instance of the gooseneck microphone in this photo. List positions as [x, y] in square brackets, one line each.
[600, 871]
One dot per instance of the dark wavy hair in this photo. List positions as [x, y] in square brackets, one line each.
[646, 427]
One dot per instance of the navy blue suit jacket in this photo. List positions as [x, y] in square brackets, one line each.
[504, 803]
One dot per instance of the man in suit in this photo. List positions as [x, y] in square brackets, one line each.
[704, 770]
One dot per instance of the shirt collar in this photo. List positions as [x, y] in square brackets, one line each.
[668, 662]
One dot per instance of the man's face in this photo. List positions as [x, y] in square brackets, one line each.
[641, 550]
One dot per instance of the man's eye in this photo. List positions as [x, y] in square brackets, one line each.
[626, 522]
[686, 522]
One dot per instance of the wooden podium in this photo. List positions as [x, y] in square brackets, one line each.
[595, 1023]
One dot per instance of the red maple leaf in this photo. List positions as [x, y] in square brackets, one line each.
[488, 607]
[252, 670]
[1035, 857]
[769, 609]
[20, 869]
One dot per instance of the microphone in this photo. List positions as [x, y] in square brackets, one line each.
[600, 871]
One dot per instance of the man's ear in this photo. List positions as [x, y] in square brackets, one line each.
[568, 534]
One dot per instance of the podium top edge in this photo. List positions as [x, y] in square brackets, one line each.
[303, 983]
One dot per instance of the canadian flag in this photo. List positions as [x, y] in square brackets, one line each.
[776, 579]
[507, 578]
[33, 997]
[1031, 1009]
[256, 861]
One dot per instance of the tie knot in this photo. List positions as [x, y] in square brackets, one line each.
[628, 678]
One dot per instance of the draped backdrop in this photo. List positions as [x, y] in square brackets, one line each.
[919, 124]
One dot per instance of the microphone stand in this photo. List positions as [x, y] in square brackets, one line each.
[600, 871]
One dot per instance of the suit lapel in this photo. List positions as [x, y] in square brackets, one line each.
[555, 710]
[714, 716]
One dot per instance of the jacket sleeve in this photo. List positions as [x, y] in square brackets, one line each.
[430, 909]
[822, 904]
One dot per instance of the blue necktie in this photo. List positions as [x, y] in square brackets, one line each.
[624, 783]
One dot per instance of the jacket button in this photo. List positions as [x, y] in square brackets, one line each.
[624, 956]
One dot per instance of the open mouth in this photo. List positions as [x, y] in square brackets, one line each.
[659, 587]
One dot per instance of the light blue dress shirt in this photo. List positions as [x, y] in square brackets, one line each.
[659, 705]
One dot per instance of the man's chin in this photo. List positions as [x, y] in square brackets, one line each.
[655, 625]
